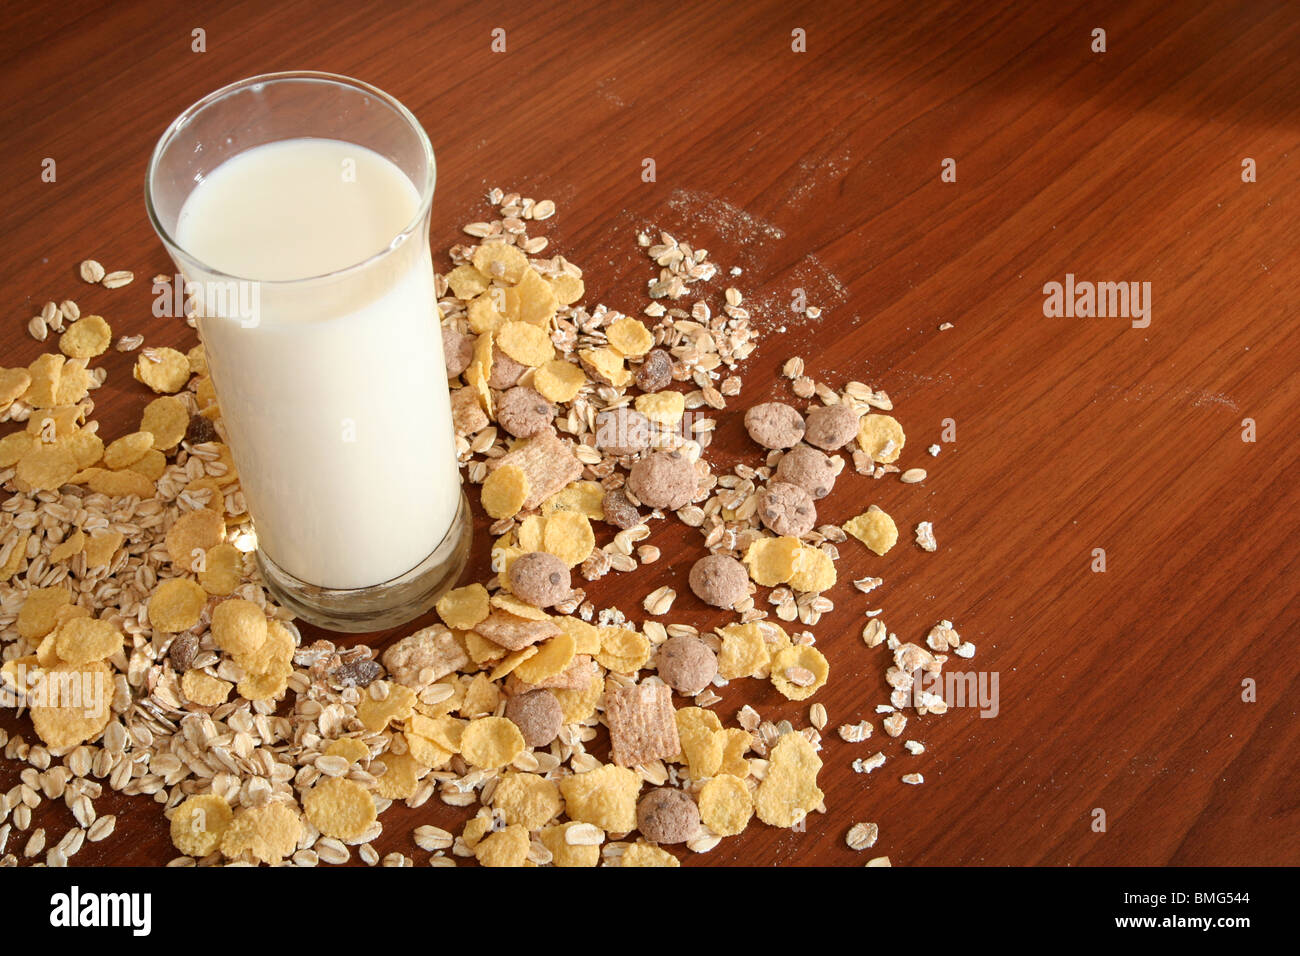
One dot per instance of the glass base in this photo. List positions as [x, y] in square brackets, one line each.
[380, 606]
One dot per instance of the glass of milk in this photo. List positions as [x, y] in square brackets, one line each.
[296, 206]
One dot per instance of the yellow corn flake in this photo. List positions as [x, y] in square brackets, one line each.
[506, 601]
[192, 535]
[500, 260]
[607, 365]
[426, 753]
[164, 370]
[82, 640]
[74, 383]
[482, 651]
[118, 484]
[875, 529]
[491, 742]
[527, 799]
[568, 289]
[665, 409]
[533, 300]
[525, 343]
[74, 707]
[269, 686]
[198, 824]
[466, 282]
[101, 547]
[800, 671]
[458, 684]
[622, 649]
[401, 778]
[269, 833]
[238, 627]
[86, 447]
[530, 532]
[568, 536]
[726, 805]
[17, 554]
[584, 497]
[813, 570]
[204, 689]
[39, 612]
[699, 731]
[198, 359]
[586, 636]
[176, 604]
[151, 464]
[475, 830]
[881, 437]
[47, 467]
[771, 560]
[551, 658]
[630, 337]
[604, 797]
[14, 446]
[166, 419]
[735, 742]
[54, 423]
[564, 853]
[481, 697]
[789, 790]
[504, 491]
[87, 337]
[70, 546]
[274, 655]
[508, 847]
[13, 382]
[445, 731]
[205, 397]
[577, 705]
[559, 381]
[339, 808]
[223, 569]
[350, 749]
[511, 661]
[462, 608]
[646, 854]
[486, 311]
[396, 705]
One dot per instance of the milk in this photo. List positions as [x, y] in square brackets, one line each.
[334, 395]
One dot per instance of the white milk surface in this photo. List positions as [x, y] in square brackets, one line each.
[335, 402]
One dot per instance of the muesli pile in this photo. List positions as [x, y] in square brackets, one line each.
[138, 638]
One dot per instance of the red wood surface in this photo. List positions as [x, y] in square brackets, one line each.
[1119, 690]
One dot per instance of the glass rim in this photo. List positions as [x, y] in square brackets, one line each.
[194, 109]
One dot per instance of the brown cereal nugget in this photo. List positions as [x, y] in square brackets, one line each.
[656, 371]
[547, 460]
[540, 578]
[506, 372]
[831, 427]
[622, 431]
[787, 509]
[426, 656]
[667, 815]
[686, 664]
[663, 479]
[642, 726]
[719, 580]
[619, 511]
[515, 633]
[774, 425]
[467, 415]
[523, 412]
[538, 715]
[810, 469]
[457, 350]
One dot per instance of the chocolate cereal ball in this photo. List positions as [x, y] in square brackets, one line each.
[831, 426]
[667, 815]
[787, 509]
[720, 580]
[663, 479]
[774, 425]
[506, 372]
[524, 412]
[810, 469]
[686, 664]
[622, 431]
[457, 350]
[538, 715]
[540, 578]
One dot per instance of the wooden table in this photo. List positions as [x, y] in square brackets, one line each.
[822, 170]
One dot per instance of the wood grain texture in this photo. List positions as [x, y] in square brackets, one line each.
[821, 171]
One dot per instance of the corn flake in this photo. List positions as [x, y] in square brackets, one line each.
[699, 731]
[875, 529]
[813, 570]
[47, 467]
[665, 409]
[339, 808]
[604, 797]
[396, 705]
[799, 671]
[269, 833]
[238, 627]
[566, 854]
[198, 824]
[789, 790]
[551, 659]
[462, 608]
[630, 337]
[176, 604]
[508, 847]
[491, 742]
[223, 569]
[192, 535]
[500, 260]
[401, 778]
[349, 748]
[771, 560]
[881, 437]
[527, 799]
[81, 640]
[39, 612]
[163, 369]
[466, 282]
[504, 491]
[166, 419]
[726, 805]
[568, 535]
[559, 381]
[568, 289]
[533, 300]
[204, 689]
[646, 854]
[607, 365]
[75, 708]
[86, 338]
[622, 649]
